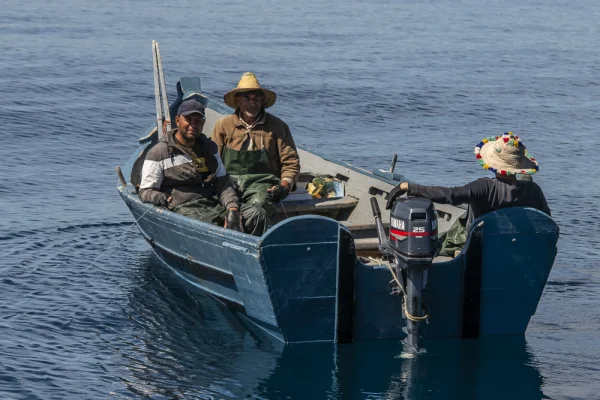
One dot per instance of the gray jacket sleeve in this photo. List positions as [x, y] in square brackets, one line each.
[152, 177]
[223, 186]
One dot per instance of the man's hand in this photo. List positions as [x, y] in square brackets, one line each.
[233, 220]
[395, 193]
[162, 200]
[279, 192]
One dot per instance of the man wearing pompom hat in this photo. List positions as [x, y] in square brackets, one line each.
[258, 151]
[506, 157]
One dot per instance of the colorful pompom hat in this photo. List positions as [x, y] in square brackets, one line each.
[505, 155]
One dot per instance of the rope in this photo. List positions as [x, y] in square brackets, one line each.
[408, 315]
[23, 298]
[412, 317]
[283, 207]
[119, 238]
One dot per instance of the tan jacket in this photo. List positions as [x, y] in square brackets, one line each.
[269, 131]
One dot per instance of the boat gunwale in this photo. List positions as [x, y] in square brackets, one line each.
[249, 241]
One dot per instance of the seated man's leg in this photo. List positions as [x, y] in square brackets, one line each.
[255, 219]
[207, 210]
[257, 208]
[455, 238]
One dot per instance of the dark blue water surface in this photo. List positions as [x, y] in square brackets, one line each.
[87, 311]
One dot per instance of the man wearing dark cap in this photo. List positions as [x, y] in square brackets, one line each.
[184, 172]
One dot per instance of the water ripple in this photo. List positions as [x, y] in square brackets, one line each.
[360, 82]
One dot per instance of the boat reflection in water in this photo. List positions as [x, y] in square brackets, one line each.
[489, 368]
[190, 346]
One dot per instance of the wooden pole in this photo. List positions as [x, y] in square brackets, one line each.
[159, 119]
[163, 89]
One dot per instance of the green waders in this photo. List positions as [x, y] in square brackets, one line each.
[250, 170]
[455, 239]
[206, 210]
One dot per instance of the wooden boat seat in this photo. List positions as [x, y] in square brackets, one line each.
[303, 205]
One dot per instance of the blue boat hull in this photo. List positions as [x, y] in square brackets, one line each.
[301, 281]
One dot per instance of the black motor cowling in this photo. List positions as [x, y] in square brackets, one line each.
[413, 227]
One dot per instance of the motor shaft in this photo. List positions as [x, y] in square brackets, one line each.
[414, 303]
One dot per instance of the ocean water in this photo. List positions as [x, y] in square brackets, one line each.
[88, 312]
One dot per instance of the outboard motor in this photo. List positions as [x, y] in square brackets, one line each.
[413, 227]
[413, 243]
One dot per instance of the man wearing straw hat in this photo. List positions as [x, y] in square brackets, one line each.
[506, 157]
[258, 151]
[184, 172]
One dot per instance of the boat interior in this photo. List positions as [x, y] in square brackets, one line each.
[351, 205]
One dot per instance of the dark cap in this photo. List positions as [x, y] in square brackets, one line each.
[191, 107]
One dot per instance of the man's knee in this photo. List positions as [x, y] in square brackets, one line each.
[255, 211]
[255, 219]
[200, 213]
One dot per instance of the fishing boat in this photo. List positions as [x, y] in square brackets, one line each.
[321, 272]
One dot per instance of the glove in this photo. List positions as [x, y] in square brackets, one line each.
[234, 222]
[161, 200]
[279, 193]
[394, 194]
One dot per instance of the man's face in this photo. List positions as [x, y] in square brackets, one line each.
[190, 126]
[250, 103]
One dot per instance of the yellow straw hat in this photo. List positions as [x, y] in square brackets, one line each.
[505, 155]
[247, 83]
